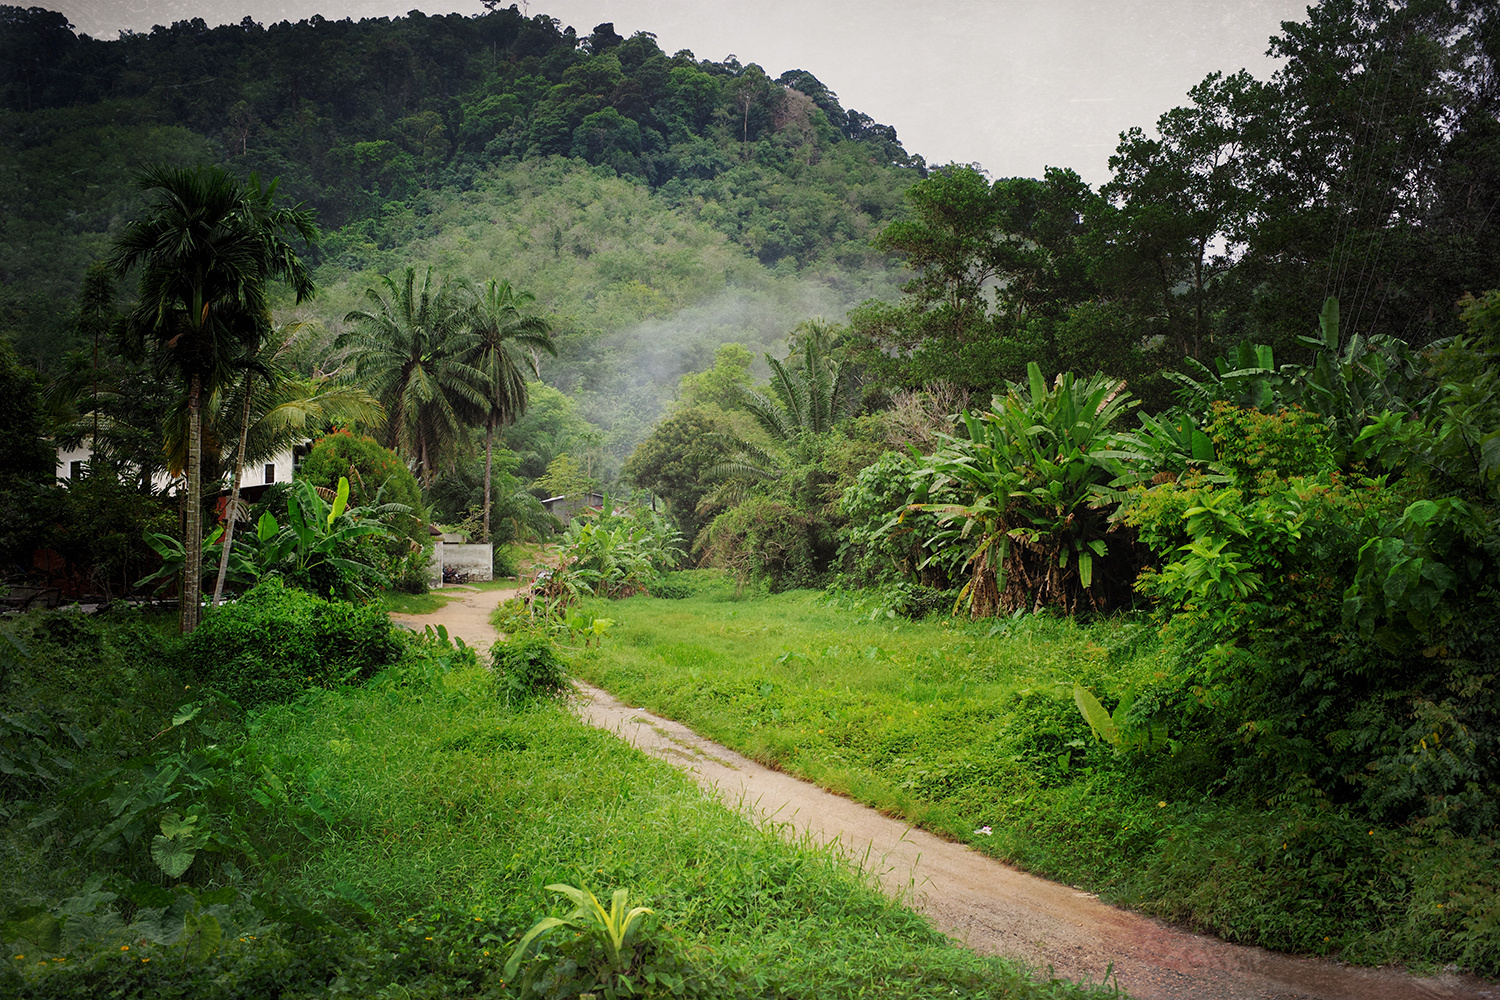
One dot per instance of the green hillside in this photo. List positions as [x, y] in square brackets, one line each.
[412, 130]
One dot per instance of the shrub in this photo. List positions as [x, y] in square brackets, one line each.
[410, 575]
[528, 667]
[670, 590]
[277, 642]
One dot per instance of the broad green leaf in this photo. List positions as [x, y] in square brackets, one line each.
[1094, 714]
[340, 501]
[172, 856]
[34, 924]
[201, 934]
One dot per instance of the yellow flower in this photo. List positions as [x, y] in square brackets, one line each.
[20, 958]
[1161, 805]
[124, 947]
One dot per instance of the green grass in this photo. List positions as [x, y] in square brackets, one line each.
[465, 801]
[957, 726]
[425, 816]
[416, 604]
[435, 600]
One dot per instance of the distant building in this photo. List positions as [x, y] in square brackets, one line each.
[566, 506]
[72, 463]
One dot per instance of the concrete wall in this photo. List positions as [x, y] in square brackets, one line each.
[478, 561]
[435, 565]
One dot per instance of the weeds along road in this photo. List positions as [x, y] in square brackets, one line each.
[981, 903]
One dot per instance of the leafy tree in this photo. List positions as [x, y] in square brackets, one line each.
[413, 349]
[550, 427]
[207, 249]
[672, 463]
[1186, 201]
[724, 385]
[991, 260]
[564, 477]
[99, 525]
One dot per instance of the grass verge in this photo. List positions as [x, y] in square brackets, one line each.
[397, 840]
[965, 727]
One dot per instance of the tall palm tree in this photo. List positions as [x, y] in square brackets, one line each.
[499, 326]
[411, 349]
[207, 249]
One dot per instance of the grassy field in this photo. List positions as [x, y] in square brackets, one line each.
[397, 840]
[965, 727]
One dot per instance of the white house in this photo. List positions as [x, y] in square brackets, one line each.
[72, 462]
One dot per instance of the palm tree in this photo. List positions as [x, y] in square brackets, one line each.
[207, 250]
[809, 398]
[498, 325]
[410, 350]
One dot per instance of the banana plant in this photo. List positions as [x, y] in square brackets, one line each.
[1035, 470]
[242, 570]
[318, 536]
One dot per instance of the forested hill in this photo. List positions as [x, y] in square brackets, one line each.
[384, 125]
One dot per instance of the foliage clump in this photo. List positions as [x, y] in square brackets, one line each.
[527, 667]
[277, 641]
[375, 474]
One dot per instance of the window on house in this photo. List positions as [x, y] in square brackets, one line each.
[270, 472]
[75, 469]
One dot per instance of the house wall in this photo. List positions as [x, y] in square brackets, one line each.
[251, 475]
[477, 561]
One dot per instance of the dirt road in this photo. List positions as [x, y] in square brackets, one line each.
[988, 906]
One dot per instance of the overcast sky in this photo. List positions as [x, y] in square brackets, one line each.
[1014, 85]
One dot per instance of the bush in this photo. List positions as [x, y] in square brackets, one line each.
[669, 590]
[410, 575]
[504, 564]
[527, 667]
[277, 642]
[372, 472]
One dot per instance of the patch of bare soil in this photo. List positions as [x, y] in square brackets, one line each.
[987, 906]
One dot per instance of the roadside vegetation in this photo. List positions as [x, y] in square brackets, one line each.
[973, 729]
[396, 836]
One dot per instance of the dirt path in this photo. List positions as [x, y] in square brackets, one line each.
[988, 906]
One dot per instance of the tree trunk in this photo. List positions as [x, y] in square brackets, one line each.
[192, 570]
[489, 446]
[232, 511]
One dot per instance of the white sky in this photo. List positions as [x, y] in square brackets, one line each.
[1014, 85]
